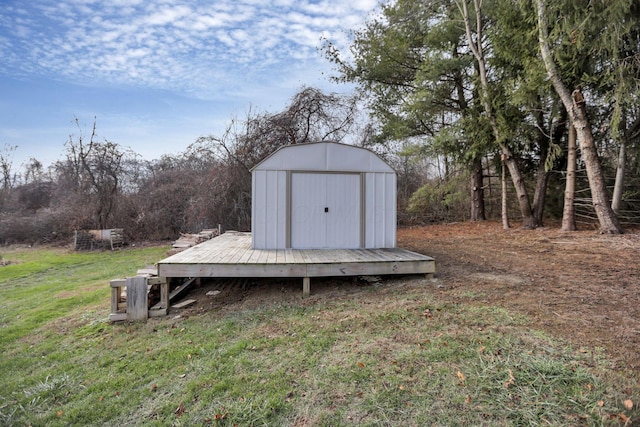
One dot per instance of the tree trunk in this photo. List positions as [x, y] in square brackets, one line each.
[477, 175]
[569, 213]
[542, 175]
[477, 191]
[629, 134]
[619, 186]
[540, 195]
[575, 105]
[528, 221]
[616, 200]
[504, 204]
[606, 217]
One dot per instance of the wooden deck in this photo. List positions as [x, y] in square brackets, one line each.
[231, 255]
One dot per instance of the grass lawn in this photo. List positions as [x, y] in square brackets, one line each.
[390, 354]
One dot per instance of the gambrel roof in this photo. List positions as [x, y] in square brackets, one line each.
[324, 156]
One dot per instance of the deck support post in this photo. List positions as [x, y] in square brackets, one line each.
[164, 294]
[306, 287]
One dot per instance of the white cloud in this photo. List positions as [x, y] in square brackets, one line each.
[167, 15]
[200, 48]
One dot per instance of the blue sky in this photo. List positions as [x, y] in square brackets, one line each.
[156, 74]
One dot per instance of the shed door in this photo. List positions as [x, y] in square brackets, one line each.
[325, 210]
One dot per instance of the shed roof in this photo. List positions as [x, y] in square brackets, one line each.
[324, 156]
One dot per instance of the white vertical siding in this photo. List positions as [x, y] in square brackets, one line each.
[380, 213]
[269, 209]
[391, 219]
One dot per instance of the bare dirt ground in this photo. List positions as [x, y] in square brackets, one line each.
[581, 286]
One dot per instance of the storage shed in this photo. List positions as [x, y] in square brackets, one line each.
[323, 195]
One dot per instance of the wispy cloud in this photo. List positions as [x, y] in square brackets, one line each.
[196, 47]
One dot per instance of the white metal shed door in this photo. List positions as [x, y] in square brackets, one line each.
[325, 210]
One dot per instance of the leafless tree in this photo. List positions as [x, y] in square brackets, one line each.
[92, 172]
[311, 116]
[6, 167]
[33, 171]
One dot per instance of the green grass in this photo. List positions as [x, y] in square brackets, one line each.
[385, 355]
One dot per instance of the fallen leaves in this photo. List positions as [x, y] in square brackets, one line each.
[219, 416]
[179, 410]
[511, 381]
[622, 417]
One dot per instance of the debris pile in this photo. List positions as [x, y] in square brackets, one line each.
[89, 240]
[188, 240]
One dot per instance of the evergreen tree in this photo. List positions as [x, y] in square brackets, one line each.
[591, 56]
[414, 67]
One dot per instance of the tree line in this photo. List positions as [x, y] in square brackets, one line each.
[457, 95]
[515, 83]
[99, 184]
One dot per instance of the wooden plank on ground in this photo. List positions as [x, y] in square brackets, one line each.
[183, 304]
[117, 317]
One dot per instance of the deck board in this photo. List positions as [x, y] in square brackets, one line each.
[231, 255]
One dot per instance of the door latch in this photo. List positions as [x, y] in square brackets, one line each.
[326, 209]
